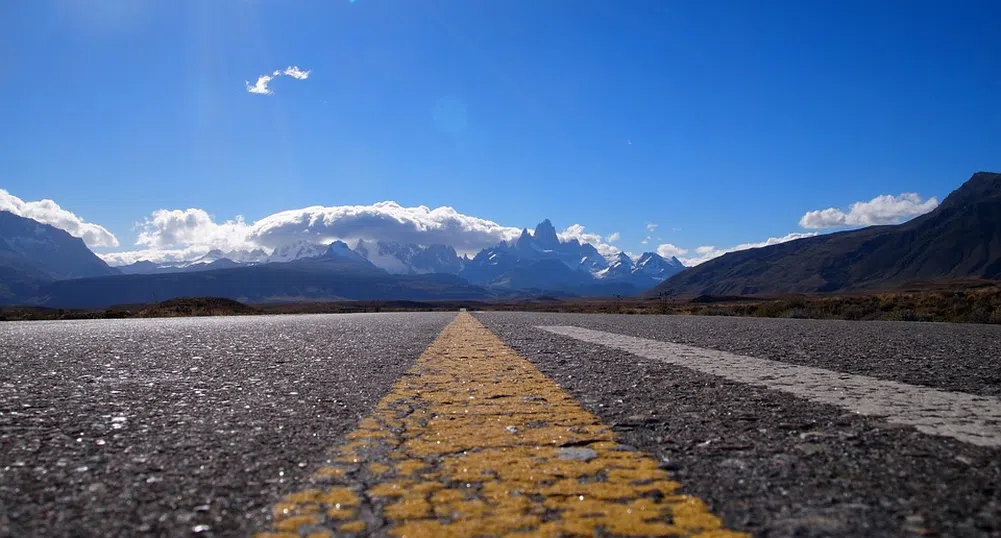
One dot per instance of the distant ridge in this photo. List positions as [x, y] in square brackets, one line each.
[43, 252]
[960, 239]
[322, 278]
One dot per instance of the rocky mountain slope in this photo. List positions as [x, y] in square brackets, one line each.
[960, 239]
[45, 252]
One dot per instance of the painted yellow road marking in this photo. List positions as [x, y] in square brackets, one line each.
[475, 441]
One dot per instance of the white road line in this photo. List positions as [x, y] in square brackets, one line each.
[966, 417]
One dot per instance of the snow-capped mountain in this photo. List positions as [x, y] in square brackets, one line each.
[213, 259]
[239, 256]
[496, 263]
[297, 251]
[536, 260]
[41, 251]
[545, 237]
[654, 266]
[541, 260]
[340, 249]
[410, 259]
[648, 270]
[620, 268]
[436, 259]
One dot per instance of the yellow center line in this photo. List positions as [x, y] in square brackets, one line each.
[474, 441]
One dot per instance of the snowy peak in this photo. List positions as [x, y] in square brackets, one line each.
[544, 245]
[238, 256]
[545, 235]
[620, 268]
[43, 251]
[436, 259]
[386, 256]
[648, 270]
[296, 251]
[524, 240]
[654, 266]
[210, 256]
[340, 249]
[410, 259]
[248, 256]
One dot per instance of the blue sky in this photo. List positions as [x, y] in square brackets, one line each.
[721, 122]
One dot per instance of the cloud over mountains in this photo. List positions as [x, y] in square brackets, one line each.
[705, 253]
[184, 234]
[176, 234]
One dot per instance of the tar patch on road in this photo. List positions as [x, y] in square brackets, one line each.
[474, 440]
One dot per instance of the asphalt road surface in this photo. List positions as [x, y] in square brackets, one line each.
[379, 424]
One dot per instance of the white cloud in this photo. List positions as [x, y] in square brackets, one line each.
[182, 228]
[645, 240]
[154, 255]
[651, 227]
[261, 86]
[49, 212]
[576, 231]
[707, 252]
[884, 209]
[668, 250]
[385, 221]
[613, 237]
[296, 73]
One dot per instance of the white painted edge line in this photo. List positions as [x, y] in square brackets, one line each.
[967, 417]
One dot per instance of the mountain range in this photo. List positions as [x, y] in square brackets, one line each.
[541, 261]
[40, 264]
[323, 278]
[960, 239]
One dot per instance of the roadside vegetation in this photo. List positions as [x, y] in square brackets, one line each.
[976, 305]
[965, 303]
[215, 306]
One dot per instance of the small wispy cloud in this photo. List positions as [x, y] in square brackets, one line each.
[261, 86]
[296, 73]
[576, 231]
[651, 227]
[613, 237]
[707, 252]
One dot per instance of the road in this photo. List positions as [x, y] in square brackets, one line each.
[435, 424]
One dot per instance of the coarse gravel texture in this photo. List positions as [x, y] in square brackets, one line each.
[774, 464]
[176, 427]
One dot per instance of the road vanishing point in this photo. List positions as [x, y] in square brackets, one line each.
[499, 424]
